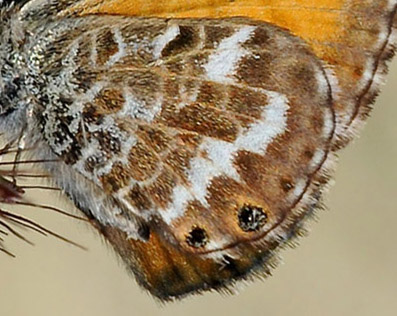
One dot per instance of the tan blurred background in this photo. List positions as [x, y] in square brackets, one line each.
[347, 265]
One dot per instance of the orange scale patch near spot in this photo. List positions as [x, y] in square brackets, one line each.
[197, 216]
[227, 197]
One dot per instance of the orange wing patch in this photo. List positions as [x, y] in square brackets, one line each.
[302, 17]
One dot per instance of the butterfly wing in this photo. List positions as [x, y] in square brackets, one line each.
[216, 137]
[210, 134]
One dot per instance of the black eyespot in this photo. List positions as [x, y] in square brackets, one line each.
[197, 237]
[251, 218]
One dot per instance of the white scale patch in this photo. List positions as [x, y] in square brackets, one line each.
[222, 63]
[188, 96]
[92, 147]
[328, 123]
[161, 41]
[63, 83]
[94, 52]
[221, 154]
[139, 109]
[121, 48]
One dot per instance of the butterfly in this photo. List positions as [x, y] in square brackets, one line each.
[196, 138]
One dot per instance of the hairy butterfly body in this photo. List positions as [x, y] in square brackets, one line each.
[196, 146]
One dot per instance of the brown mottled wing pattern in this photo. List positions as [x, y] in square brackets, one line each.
[214, 135]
